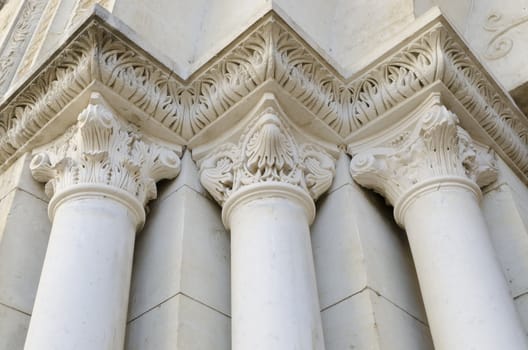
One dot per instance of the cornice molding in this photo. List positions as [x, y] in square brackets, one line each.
[101, 153]
[270, 50]
[267, 154]
[435, 150]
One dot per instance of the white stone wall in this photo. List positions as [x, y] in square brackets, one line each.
[505, 207]
[367, 284]
[180, 294]
[495, 30]
[24, 232]
[180, 290]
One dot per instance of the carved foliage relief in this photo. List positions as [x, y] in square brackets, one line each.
[267, 153]
[436, 148]
[17, 41]
[269, 52]
[41, 32]
[102, 150]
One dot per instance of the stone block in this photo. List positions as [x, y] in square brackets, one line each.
[24, 235]
[19, 176]
[509, 236]
[183, 248]
[180, 323]
[338, 255]
[397, 329]
[350, 324]
[368, 321]
[13, 328]
[522, 308]
[357, 244]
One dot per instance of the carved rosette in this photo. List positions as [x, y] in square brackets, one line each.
[102, 153]
[435, 151]
[267, 154]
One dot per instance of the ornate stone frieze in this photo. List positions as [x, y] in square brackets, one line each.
[94, 55]
[101, 150]
[267, 153]
[36, 42]
[270, 51]
[17, 41]
[7, 13]
[436, 149]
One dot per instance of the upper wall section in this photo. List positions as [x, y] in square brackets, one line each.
[344, 31]
[189, 32]
[495, 30]
[350, 34]
[102, 54]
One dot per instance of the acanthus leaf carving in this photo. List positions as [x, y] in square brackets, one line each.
[436, 149]
[18, 41]
[271, 51]
[102, 150]
[31, 54]
[267, 153]
[217, 172]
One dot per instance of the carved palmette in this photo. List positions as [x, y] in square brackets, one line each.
[266, 153]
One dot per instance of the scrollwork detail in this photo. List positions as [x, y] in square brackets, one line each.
[100, 149]
[437, 148]
[500, 44]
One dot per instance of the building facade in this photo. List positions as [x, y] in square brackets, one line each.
[289, 175]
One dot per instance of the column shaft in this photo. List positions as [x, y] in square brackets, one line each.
[274, 294]
[466, 297]
[99, 176]
[82, 297]
[266, 183]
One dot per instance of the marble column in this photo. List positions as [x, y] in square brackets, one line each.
[99, 175]
[432, 176]
[266, 184]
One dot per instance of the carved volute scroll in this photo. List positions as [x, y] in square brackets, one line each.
[267, 153]
[103, 151]
[436, 149]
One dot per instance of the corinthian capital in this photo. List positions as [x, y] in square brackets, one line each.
[435, 150]
[267, 153]
[102, 153]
